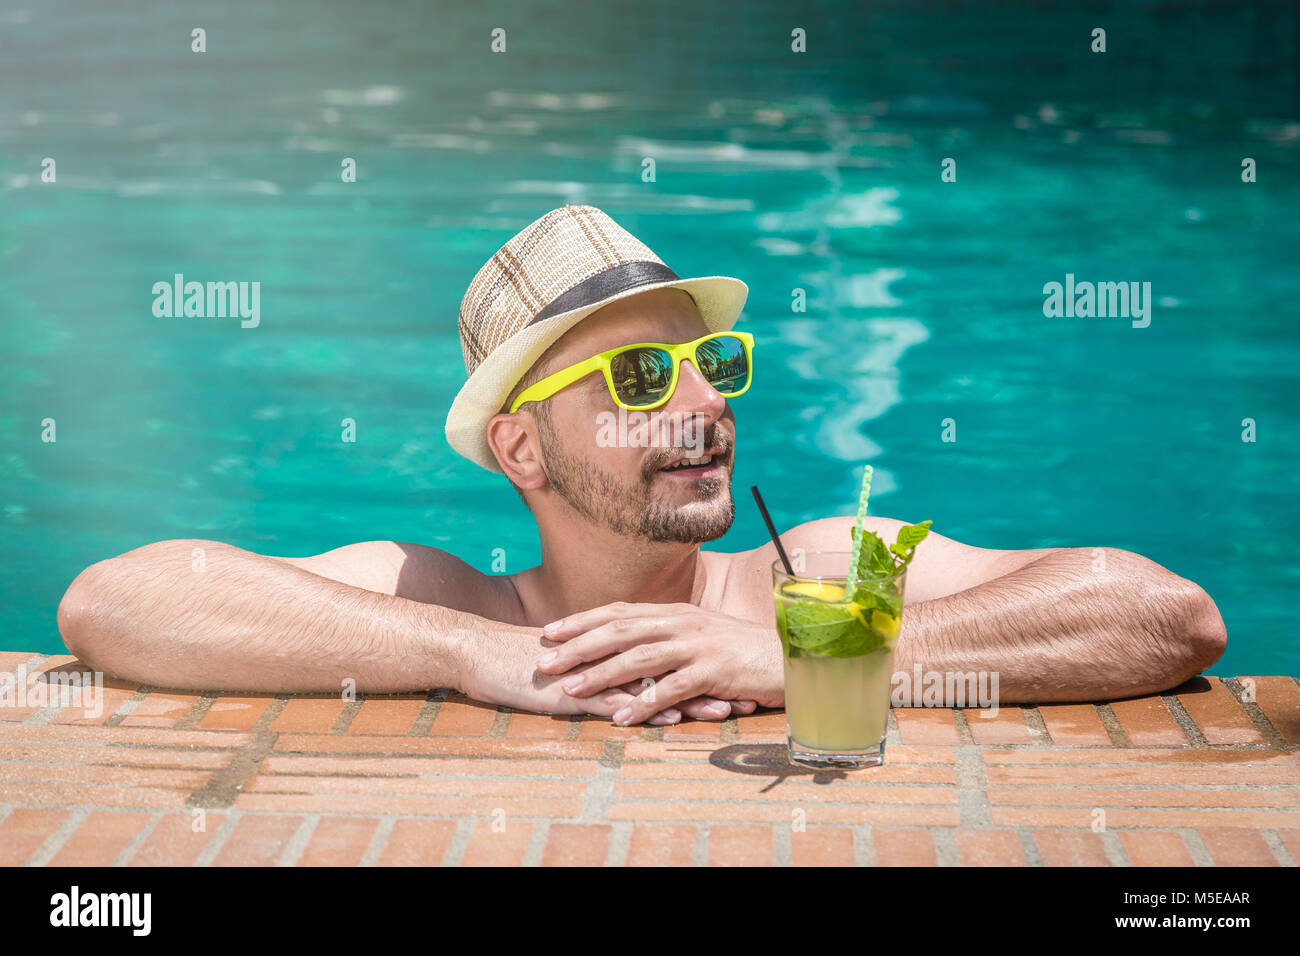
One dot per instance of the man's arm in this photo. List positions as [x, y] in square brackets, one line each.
[1056, 624]
[392, 617]
[205, 615]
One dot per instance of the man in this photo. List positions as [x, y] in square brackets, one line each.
[626, 616]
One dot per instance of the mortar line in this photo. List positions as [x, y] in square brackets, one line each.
[379, 841]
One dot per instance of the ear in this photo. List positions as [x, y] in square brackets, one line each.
[513, 439]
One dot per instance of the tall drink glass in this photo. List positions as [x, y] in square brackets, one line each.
[839, 659]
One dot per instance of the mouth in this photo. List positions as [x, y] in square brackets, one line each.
[702, 466]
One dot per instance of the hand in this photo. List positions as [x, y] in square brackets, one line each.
[499, 670]
[696, 652]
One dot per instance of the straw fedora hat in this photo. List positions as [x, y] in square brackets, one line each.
[556, 272]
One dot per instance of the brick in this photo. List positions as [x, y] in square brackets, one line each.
[457, 716]
[10, 661]
[1074, 725]
[1142, 775]
[576, 844]
[258, 840]
[31, 694]
[161, 709]
[93, 795]
[416, 786]
[926, 725]
[53, 752]
[25, 830]
[1115, 755]
[1218, 714]
[418, 843]
[822, 846]
[988, 848]
[502, 847]
[310, 715]
[746, 812]
[100, 839]
[781, 771]
[21, 771]
[406, 805]
[369, 767]
[113, 695]
[661, 845]
[1291, 840]
[762, 726]
[1155, 848]
[908, 846]
[1236, 846]
[1157, 818]
[175, 842]
[788, 793]
[593, 728]
[339, 841]
[774, 755]
[1070, 848]
[479, 747]
[688, 729]
[740, 846]
[134, 736]
[1152, 797]
[1147, 722]
[387, 715]
[1007, 726]
[234, 712]
[538, 725]
[1279, 699]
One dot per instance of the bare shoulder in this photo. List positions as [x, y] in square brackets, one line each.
[412, 571]
[942, 565]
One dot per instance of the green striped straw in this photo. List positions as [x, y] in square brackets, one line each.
[857, 531]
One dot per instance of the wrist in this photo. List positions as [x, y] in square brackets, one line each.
[443, 659]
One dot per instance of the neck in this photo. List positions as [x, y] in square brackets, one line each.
[597, 567]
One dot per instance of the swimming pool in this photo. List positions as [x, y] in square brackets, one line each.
[924, 298]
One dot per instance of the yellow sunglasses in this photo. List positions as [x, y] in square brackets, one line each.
[644, 375]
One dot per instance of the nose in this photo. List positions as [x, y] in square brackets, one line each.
[695, 396]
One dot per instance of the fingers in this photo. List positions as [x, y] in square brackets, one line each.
[601, 640]
[705, 708]
[583, 621]
[635, 663]
[675, 688]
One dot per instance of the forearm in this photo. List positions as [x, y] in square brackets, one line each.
[239, 621]
[1069, 628]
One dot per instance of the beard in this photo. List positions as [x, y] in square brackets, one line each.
[628, 506]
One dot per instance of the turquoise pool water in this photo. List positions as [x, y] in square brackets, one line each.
[820, 172]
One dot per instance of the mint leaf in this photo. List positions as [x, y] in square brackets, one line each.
[877, 595]
[878, 560]
[874, 559]
[861, 640]
[909, 536]
[810, 626]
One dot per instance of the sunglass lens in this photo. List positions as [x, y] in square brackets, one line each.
[641, 376]
[724, 362]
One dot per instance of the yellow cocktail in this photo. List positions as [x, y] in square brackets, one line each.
[839, 656]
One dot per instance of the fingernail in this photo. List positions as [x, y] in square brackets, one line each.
[673, 714]
[572, 684]
[548, 658]
[719, 708]
[623, 715]
[552, 627]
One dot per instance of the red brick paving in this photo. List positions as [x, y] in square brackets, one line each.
[1209, 776]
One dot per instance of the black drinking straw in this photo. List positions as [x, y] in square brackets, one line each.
[771, 529]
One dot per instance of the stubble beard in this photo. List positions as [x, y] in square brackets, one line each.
[629, 507]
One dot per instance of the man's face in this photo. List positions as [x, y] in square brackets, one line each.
[610, 465]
